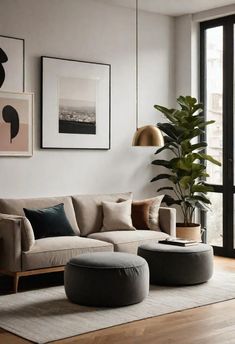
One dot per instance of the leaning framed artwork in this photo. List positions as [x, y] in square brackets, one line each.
[75, 104]
[12, 52]
[16, 124]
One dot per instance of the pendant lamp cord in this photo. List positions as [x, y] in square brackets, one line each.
[137, 62]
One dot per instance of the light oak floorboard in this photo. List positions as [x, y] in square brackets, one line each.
[212, 324]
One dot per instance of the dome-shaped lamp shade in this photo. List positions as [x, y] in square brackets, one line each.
[148, 135]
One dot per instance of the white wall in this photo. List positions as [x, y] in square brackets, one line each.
[91, 31]
[187, 56]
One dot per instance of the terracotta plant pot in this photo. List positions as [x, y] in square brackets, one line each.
[192, 232]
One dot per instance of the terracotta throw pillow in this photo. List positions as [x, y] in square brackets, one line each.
[145, 213]
[117, 216]
[140, 214]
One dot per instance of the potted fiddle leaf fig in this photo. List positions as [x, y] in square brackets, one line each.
[186, 175]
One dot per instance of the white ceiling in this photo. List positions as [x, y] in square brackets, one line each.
[172, 7]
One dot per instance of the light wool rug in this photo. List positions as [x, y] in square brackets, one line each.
[45, 315]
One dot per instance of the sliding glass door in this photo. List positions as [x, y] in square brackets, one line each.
[217, 94]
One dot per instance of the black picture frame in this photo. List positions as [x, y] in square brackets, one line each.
[49, 83]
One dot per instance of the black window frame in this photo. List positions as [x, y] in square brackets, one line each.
[227, 188]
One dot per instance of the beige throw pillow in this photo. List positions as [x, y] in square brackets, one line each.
[154, 213]
[117, 216]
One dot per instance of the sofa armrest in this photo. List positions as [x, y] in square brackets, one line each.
[167, 220]
[10, 244]
[27, 234]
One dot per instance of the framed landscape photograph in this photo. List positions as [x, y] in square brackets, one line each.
[12, 52]
[16, 118]
[75, 104]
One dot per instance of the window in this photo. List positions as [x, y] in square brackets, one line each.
[217, 94]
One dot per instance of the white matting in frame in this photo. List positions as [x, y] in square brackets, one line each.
[12, 51]
[16, 124]
[75, 104]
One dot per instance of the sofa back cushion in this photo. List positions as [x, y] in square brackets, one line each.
[15, 207]
[89, 212]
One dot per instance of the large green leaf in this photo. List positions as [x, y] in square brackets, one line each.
[165, 188]
[184, 164]
[169, 146]
[197, 107]
[159, 162]
[198, 145]
[201, 198]
[209, 158]
[168, 139]
[189, 103]
[169, 113]
[186, 147]
[202, 188]
[203, 125]
[170, 200]
[170, 130]
[185, 182]
[198, 168]
[186, 102]
[204, 175]
[162, 176]
[190, 134]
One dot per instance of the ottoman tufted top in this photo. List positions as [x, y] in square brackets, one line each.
[107, 260]
[155, 247]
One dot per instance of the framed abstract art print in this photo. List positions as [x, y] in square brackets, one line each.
[16, 118]
[12, 51]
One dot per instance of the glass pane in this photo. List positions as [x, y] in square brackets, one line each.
[214, 223]
[214, 100]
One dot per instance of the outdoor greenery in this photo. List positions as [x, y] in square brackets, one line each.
[183, 136]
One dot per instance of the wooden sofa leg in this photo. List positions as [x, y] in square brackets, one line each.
[17, 274]
[16, 281]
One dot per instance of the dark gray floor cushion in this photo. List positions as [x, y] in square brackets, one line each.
[108, 279]
[175, 265]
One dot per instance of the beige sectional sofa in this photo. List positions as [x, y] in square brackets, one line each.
[22, 255]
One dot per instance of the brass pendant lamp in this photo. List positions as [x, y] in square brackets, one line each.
[148, 135]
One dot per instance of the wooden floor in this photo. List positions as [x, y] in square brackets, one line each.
[213, 324]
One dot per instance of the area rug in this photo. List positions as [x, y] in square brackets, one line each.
[46, 315]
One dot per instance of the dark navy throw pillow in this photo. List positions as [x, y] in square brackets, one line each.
[49, 222]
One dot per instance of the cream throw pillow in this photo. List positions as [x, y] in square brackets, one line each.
[117, 216]
[154, 213]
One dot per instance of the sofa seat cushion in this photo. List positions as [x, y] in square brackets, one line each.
[57, 251]
[128, 241]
